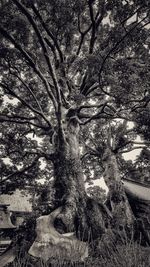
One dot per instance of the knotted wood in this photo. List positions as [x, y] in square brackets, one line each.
[49, 243]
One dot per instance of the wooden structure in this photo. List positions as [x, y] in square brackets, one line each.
[139, 198]
[6, 227]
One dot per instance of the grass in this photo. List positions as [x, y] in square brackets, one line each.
[126, 254]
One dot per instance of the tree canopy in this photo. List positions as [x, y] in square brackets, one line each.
[87, 59]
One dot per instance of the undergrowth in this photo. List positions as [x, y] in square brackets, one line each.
[128, 254]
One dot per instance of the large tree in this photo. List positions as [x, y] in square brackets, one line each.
[68, 69]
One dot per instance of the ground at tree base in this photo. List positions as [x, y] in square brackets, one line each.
[130, 254]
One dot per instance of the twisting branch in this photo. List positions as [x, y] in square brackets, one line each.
[146, 99]
[92, 88]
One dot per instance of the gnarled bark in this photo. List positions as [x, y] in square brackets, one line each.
[49, 243]
[120, 207]
[79, 213]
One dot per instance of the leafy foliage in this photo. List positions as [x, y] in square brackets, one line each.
[88, 55]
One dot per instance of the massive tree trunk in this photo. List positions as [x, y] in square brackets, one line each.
[74, 210]
[79, 213]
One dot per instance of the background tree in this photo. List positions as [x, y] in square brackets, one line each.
[98, 193]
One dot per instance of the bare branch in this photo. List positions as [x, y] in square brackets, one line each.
[144, 25]
[83, 82]
[51, 47]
